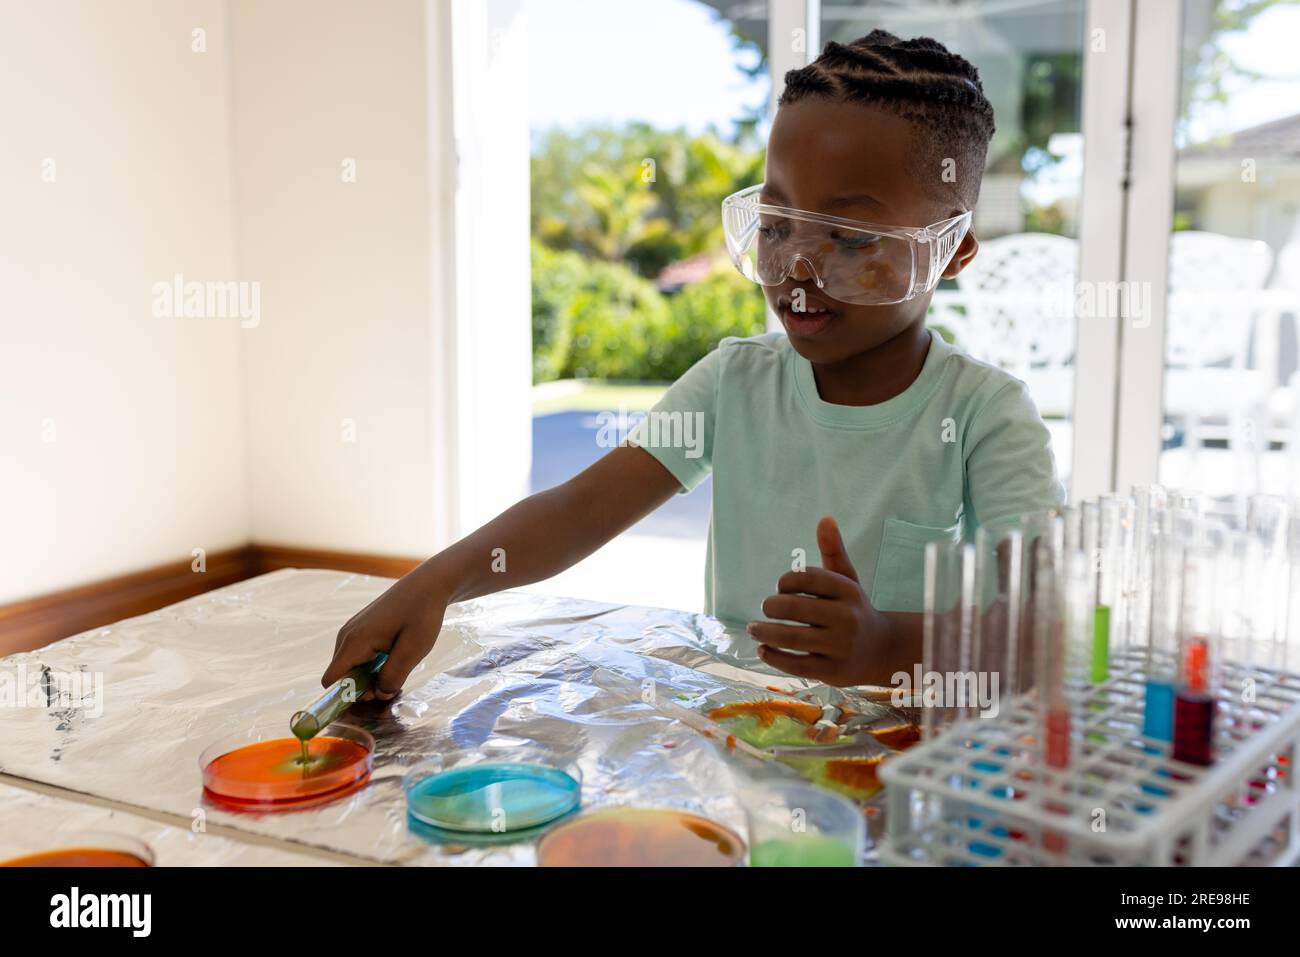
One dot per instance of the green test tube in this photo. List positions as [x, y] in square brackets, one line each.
[338, 697]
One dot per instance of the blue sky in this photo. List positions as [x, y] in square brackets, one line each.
[668, 62]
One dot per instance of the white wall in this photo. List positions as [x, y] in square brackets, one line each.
[310, 151]
[347, 325]
[145, 458]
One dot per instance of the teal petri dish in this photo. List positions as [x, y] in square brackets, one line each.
[491, 793]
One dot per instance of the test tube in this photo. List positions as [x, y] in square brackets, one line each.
[1291, 642]
[1072, 525]
[1103, 549]
[1096, 606]
[338, 697]
[1185, 517]
[1162, 647]
[1199, 628]
[1265, 579]
[1236, 639]
[1116, 543]
[1001, 646]
[1036, 531]
[1050, 656]
[1148, 508]
[1077, 582]
[947, 632]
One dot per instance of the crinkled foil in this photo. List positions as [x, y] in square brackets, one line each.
[31, 822]
[512, 669]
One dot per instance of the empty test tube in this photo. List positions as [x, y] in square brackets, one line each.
[1148, 507]
[1265, 581]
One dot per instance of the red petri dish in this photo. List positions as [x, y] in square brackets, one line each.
[262, 771]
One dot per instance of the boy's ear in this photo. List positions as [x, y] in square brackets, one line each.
[964, 254]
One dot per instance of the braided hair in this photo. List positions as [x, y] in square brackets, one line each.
[918, 80]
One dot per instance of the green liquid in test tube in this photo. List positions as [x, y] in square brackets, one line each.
[1112, 540]
[1100, 670]
[1096, 605]
[340, 696]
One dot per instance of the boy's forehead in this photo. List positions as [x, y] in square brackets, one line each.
[846, 159]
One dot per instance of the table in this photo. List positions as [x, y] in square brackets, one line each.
[508, 670]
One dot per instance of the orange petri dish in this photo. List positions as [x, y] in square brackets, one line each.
[259, 772]
[77, 857]
[89, 849]
[640, 837]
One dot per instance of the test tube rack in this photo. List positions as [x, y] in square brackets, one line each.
[980, 793]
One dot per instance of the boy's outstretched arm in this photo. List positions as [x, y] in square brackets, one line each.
[532, 540]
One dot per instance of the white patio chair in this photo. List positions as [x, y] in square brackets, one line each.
[1215, 298]
[948, 312]
[1019, 293]
[1284, 402]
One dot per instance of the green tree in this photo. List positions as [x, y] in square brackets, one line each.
[635, 194]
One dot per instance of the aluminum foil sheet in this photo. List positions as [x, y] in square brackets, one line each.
[31, 822]
[508, 670]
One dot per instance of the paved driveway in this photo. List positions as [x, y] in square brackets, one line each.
[564, 443]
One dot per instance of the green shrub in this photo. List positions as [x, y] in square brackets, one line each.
[557, 278]
[613, 320]
[595, 319]
[725, 303]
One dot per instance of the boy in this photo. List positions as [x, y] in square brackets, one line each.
[857, 436]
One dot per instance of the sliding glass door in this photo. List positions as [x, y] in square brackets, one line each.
[1208, 387]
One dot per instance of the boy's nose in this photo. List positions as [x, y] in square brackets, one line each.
[803, 270]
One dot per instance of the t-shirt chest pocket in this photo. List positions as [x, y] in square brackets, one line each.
[899, 584]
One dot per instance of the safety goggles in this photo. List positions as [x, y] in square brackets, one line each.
[849, 260]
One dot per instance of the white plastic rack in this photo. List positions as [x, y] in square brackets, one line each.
[981, 794]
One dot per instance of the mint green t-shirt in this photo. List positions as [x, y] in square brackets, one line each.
[962, 445]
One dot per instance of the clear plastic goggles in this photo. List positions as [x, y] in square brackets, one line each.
[848, 260]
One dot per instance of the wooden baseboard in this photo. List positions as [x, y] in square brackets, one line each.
[273, 557]
[35, 622]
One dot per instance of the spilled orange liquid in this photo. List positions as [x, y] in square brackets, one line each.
[824, 734]
[768, 710]
[900, 738]
[858, 773]
[268, 774]
[640, 837]
[77, 857]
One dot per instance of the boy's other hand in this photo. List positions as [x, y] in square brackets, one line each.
[840, 631]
